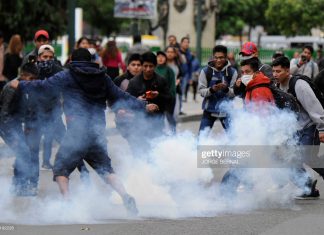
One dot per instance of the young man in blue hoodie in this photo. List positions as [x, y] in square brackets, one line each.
[215, 84]
[86, 89]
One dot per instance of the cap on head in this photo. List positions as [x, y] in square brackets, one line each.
[41, 32]
[248, 49]
[81, 54]
[44, 48]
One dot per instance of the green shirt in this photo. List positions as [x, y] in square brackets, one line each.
[168, 74]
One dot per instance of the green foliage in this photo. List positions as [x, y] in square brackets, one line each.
[100, 14]
[295, 17]
[25, 17]
[235, 14]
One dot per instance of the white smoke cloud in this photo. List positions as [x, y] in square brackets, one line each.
[167, 182]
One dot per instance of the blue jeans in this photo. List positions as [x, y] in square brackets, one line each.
[15, 139]
[306, 136]
[208, 120]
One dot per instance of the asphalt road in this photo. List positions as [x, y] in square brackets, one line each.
[100, 212]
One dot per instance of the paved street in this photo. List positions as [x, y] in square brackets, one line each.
[170, 199]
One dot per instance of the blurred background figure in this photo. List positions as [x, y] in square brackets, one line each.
[277, 54]
[296, 55]
[83, 42]
[234, 64]
[195, 75]
[112, 59]
[94, 52]
[13, 57]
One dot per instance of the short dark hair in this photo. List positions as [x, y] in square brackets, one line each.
[149, 57]
[310, 48]
[283, 61]
[172, 36]
[253, 62]
[277, 54]
[220, 48]
[81, 54]
[133, 57]
[185, 38]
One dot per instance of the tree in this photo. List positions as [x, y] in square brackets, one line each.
[25, 17]
[100, 15]
[295, 17]
[235, 14]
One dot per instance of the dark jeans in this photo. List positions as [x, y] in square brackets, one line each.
[53, 130]
[169, 113]
[15, 139]
[299, 176]
[208, 120]
[33, 133]
[307, 136]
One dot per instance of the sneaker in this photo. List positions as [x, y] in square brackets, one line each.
[314, 194]
[130, 205]
[47, 166]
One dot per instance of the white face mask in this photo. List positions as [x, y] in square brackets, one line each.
[246, 78]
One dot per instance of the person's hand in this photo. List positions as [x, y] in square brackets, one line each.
[151, 108]
[123, 113]
[142, 97]
[14, 83]
[321, 137]
[177, 82]
[238, 82]
[303, 60]
[219, 87]
[154, 94]
[151, 94]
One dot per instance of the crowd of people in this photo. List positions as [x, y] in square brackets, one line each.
[43, 100]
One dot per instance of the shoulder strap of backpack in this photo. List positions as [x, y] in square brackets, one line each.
[208, 73]
[292, 83]
[312, 64]
[229, 73]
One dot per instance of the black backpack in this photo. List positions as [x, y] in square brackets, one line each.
[283, 100]
[318, 93]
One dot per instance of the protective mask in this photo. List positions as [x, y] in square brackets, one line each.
[45, 67]
[246, 78]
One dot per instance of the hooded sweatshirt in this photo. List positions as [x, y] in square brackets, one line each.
[212, 100]
[255, 92]
[85, 88]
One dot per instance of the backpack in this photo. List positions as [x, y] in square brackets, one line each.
[283, 100]
[318, 93]
[209, 74]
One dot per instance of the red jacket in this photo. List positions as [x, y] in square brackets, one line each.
[258, 94]
[114, 63]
